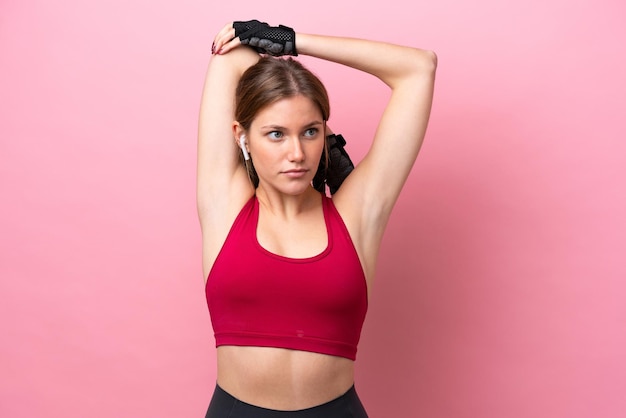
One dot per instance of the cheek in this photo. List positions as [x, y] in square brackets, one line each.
[265, 157]
[315, 149]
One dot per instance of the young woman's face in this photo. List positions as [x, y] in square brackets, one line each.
[286, 141]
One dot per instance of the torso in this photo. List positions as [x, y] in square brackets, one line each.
[278, 378]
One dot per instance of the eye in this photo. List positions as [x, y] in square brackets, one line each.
[275, 135]
[311, 132]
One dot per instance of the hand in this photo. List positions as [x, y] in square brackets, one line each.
[334, 171]
[225, 40]
[264, 39]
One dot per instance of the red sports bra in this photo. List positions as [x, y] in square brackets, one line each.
[257, 298]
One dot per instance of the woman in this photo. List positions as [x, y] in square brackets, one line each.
[287, 267]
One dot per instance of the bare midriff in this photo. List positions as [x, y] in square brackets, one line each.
[282, 379]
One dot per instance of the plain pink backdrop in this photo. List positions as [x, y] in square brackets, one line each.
[501, 282]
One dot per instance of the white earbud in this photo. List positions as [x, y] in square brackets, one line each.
[242, 144]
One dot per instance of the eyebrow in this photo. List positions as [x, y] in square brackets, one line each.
[278, 127]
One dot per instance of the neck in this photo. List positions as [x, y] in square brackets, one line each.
[286, 205]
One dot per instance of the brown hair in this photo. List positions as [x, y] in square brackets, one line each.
[270, 80]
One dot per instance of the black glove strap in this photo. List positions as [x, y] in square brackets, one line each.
[266, 39]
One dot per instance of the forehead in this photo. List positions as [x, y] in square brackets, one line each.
[290, 111]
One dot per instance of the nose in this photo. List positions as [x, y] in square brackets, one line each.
[296, 153]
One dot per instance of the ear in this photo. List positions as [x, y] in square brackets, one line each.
[238, 131]
[240, 139]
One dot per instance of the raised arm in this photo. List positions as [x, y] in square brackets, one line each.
[222, 182]
[368, 195]
[410, 73]
[218, 155]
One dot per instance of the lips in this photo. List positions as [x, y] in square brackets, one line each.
[295, 173]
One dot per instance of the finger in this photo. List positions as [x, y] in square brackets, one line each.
[225, 35]
[229, 46]
[225, 29]
[226, 41]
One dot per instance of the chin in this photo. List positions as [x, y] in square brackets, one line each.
[293, 187]
[296, 188]
[296, 191]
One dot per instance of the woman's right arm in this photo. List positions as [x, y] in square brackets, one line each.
[222, 181]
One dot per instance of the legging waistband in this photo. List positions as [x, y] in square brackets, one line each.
[224, 405]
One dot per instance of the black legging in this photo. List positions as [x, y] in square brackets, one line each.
[224, 405]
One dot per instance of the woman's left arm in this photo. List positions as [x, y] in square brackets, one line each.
[368, 195]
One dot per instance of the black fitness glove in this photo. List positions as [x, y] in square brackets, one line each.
[339, 165]
[266, 39]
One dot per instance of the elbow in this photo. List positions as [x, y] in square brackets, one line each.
[417, 65]
[425, 62]
[433, 61]
[422, 66]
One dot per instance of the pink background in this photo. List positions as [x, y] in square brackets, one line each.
[501, 288]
